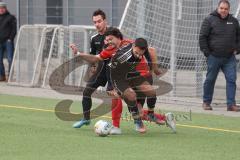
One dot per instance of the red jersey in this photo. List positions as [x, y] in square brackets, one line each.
[143, 67]
[110, 51]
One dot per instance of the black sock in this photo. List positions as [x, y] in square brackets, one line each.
[87, 105]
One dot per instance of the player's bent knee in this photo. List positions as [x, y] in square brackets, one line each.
[130, 95]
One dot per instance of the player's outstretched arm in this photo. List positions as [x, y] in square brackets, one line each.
[153, 56]
[87, 57]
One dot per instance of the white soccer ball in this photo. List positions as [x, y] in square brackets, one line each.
[102, 128]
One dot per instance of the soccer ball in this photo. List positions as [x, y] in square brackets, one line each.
[102, 128]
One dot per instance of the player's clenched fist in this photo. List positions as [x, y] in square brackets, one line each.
[74, 48]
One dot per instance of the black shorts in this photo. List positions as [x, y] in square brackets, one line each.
[121, 84]
[99, 78]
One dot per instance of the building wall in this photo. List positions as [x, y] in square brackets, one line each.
[73, 12]
[81, 10]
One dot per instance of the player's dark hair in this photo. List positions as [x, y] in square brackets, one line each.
[99, 12]
[141, 43]
[224, 1]
[114, 32]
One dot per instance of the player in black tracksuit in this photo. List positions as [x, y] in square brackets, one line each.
[99, 78]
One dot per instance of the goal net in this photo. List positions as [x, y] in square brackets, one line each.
[30, 48]
[40, 49]
[172, 27]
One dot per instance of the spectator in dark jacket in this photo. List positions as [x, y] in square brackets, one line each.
[8, 29]
[219, 41]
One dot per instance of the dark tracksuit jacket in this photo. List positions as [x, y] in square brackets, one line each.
[219, 37]
[8, 27]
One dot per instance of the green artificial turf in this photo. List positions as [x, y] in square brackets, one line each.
[30, 134]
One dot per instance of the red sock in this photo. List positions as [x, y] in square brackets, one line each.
[157, 115]
[116, 112]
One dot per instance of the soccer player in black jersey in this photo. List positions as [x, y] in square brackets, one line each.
[129, 70]
[98, 75]
[125, 77]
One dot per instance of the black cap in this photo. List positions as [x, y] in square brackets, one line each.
[141, 43]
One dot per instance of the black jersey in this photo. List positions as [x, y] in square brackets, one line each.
[123, 63]
[97, 44]
[123, 69]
